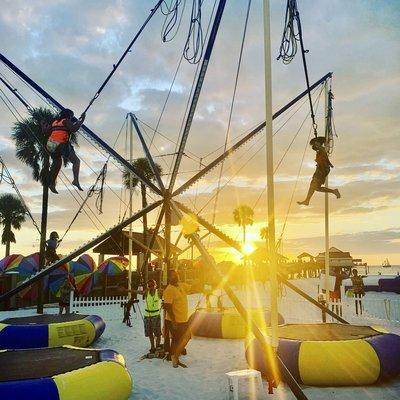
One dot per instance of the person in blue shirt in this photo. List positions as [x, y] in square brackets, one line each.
[51, 247]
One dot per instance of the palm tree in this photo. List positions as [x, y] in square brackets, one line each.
[12, 215]
[264, 232]
[143, 165]
[30, 139]
[243, 215]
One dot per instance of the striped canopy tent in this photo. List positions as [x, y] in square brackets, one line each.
[113, 266]
[10, 263]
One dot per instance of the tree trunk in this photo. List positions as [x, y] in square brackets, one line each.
[7, 236]
[43, 229]
[8, 243]
[146, 253]
[168, 237]
[244, 242]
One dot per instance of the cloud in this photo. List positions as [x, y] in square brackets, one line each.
[358, 41]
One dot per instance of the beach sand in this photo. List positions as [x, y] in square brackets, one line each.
[208, 360]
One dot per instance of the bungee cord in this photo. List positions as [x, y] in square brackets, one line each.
[115, 66]
[239, 64]
[288, 48]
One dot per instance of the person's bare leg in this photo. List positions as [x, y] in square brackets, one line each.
[54, 171]
[151, 338]
[310, 193]
[183, 341]
[76, 163]
[158, 341]
[327, 190]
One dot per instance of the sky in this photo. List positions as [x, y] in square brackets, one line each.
[69, 47]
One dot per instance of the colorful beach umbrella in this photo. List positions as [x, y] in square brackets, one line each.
[10, 262]
[85, 282]
[58, 277]
[84, 265]
[27, 266]
[113, 266]
[87, 261]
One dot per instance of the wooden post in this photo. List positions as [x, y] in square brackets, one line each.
[270, 177]
[130, 208]
[326, 282]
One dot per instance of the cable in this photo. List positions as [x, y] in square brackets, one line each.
[239, 63]
[115, 66]
[171, 20]
[18, 118]
[288, 47]
[14, 186]
[194, 46]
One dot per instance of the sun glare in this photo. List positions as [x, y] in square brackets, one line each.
[248, 248]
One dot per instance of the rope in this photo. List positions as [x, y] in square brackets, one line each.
[19, 118]
[191, 91]
[94, 189]
[239, 64]
[297, 179]
[194, 46]
[115, 66]
[330, 129]
[288, 47]
[11, 182]
[171, 20]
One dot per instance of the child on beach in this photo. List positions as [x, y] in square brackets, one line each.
[323, 168]
[51, 247]
[65, 293]
[358, 290]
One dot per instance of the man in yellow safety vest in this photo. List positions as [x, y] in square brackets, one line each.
[152, 315]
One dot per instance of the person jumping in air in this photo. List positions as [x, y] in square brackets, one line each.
[51, 248]
[321, 172]
[59, 146]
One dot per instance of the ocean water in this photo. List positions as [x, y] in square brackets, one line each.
[378, 269]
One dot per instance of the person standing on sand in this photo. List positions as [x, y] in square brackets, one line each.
[358, 289]
[152, 314]
[65, 293]
[322, 171]
[176, 318]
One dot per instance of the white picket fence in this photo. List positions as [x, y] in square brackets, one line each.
[370, 310]
[93, 305]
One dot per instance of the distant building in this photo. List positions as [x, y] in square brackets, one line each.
[337, 258]
[305, 257]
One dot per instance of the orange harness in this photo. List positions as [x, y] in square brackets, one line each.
[59, 132]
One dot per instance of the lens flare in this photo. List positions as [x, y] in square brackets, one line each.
[248, 248]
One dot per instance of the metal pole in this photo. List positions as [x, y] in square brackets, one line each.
[272, 359]
[130, 205]
[270, 178]
[326, 283]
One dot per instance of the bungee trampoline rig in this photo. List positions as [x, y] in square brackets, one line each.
[166, 192]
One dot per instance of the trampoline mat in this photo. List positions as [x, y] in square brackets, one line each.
[38, 363]
[43, 319]
[325, 332]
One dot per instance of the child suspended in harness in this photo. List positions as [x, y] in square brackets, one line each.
[60, 147]
[51, 248]
[323, 168]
